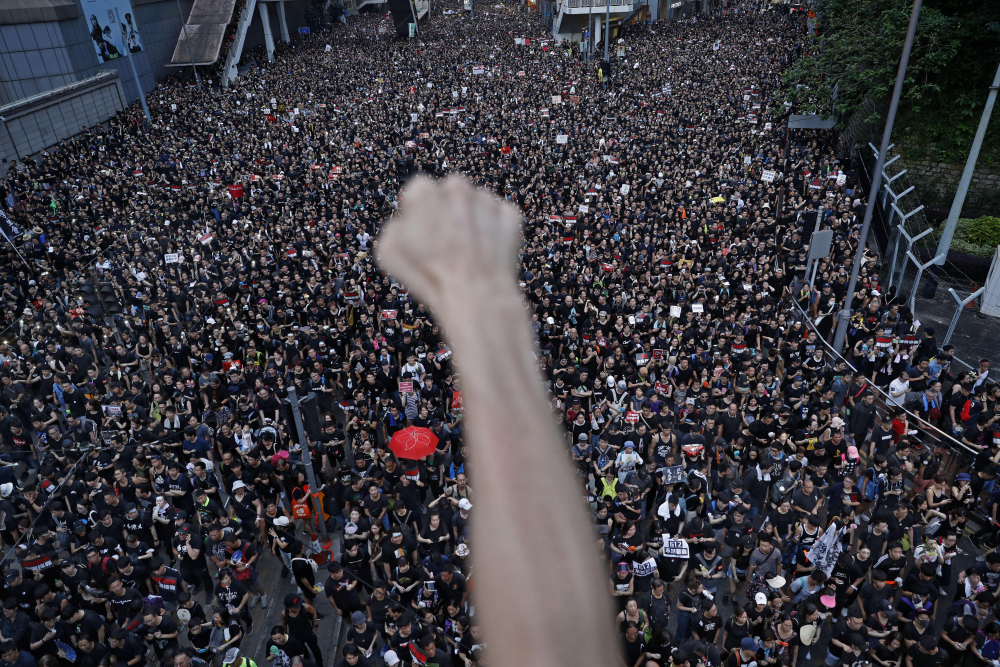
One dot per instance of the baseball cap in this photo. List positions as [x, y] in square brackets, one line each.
[281, 521]
[760, 598]
[357, 618]
[852, 451]
[391, 658]
[232, 655]
[464, 504]
[748, 643]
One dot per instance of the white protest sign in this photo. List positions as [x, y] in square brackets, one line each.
[841, 179]
[172, 258]
[675, 311]
[697, 308]
[767, 176]
[562, 138]
[676, 549]
[673, 474]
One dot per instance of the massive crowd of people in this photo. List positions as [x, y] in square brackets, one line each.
[150, 463]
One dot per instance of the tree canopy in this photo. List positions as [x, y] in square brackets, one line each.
[954, 58]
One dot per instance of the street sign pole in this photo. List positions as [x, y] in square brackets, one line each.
[300, 435]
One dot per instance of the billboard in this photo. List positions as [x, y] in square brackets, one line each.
[107, 20]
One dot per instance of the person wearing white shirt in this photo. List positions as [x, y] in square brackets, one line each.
[898, 389]
[627, 461]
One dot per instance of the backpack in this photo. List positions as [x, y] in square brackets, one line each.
[315, 566]
[960, 608]
[789, 554]
[871, 488]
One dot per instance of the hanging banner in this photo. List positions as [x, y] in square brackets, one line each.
[106, 19]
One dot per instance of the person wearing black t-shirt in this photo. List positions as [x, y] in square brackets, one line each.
[707, 624]
[281, 648]
[840, 637]
[120, 600]
[342, 590]
[189, 550]
[927, 653]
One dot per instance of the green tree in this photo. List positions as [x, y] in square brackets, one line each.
[954, 57]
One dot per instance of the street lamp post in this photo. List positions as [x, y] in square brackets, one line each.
[845, 314]
[607, 31]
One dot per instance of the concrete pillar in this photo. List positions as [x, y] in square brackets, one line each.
[597, 31]
[282, 23]
[268, 38]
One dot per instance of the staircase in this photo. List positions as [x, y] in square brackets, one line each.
[230, 71]
[200, 39]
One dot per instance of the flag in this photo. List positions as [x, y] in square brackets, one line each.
[10, 229]
[826, 550]
[235, 191]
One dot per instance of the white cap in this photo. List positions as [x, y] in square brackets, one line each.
[760, 598]
[6, 489]
[391, 658]
[464, 504]
[280, 520]
[238, 484]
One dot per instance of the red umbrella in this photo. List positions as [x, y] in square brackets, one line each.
[413, 442]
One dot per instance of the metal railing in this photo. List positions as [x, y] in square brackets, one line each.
[928, 432]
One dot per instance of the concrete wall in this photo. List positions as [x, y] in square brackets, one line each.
[41, 55]
[34, 123]
[160, 26]
[937, 182]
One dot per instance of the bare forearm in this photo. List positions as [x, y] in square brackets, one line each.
[506, 514]
[455, 247]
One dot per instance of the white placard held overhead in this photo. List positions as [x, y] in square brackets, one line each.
[676, 549]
